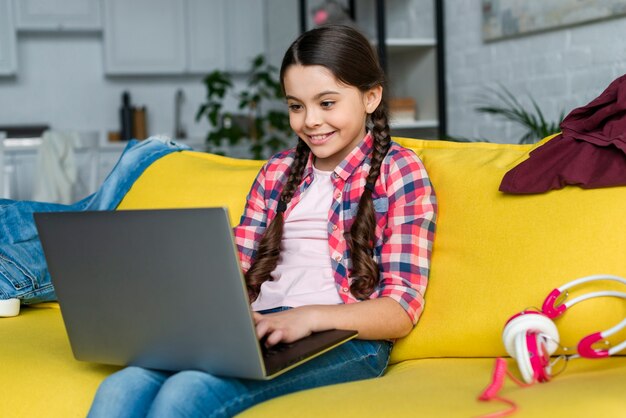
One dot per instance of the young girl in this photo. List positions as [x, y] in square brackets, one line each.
[336, 233]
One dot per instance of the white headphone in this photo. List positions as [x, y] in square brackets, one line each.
[531, 337]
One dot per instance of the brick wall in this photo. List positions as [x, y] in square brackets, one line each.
[561, 69]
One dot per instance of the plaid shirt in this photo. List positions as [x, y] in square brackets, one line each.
[405, 206]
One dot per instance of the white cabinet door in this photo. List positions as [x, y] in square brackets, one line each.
[24, 164]
[22, 170]
[8, 56]
[182, 36]
[108, 157]
[282, 28]
[206, 35]
[244, 33]
[3, 168]
[224, 34]
[58, 15]
[144, 37]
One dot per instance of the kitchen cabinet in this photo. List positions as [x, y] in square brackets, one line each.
[95, 159]
[282, 28]
[144, 37]
[245, 36]
[181, 36]
[8, 43]
[21, 160]
[3, 168]
[108, 156]
[62, 15]
[22, 165]
[207, 35]
[20, 174]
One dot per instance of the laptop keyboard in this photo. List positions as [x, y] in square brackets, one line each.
[282, 355]
[275, 349]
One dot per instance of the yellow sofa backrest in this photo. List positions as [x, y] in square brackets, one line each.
[190, 179]
[494, 254]
[497, 254]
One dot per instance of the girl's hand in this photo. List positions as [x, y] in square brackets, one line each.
[285, 326]
[374, 319]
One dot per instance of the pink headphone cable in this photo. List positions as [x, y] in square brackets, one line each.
[500, 371]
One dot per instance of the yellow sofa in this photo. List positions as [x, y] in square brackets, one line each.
[494, 255]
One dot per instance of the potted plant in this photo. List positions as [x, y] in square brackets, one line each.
[258, 122]
[533, 121]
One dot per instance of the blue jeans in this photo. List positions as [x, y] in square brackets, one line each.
[23, 269]
[138, 392]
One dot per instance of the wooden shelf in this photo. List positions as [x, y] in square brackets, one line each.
[414, 124]
[412, 56]
[411, 53]
[404, 44]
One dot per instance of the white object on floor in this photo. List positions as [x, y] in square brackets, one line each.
[9, 307]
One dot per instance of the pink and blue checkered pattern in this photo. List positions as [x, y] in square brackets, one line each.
[405, 205]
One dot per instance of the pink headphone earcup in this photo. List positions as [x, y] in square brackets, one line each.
[534, 322]
[530, 338]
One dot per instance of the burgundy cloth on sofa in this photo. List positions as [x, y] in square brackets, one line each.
[590, 152]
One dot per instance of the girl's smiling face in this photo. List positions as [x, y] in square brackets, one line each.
[326, 114]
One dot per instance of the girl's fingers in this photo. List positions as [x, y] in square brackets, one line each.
[265, 328]
[274, 338]
[262, 328]
[285, 326]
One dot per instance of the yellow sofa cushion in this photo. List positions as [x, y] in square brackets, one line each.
[496, 254]
[194, 179]
[449, 388]
[38, 373]
[39, 377]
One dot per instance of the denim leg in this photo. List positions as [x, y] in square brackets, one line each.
[127, 393]
[23, 269]
[198, 394]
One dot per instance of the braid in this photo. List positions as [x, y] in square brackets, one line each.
[268, 251]
[362, 233]
[295, 174]
[348, 55]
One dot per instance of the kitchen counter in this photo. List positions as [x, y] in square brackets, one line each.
[95, 159]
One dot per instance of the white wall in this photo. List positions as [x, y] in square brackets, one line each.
[561, 69]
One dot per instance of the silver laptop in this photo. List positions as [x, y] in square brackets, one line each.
[162, 289]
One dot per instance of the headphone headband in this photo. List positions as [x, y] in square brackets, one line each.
[550, 308]
[586, 350]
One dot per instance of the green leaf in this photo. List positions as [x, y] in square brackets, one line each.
[203, 107]
[508, 107]
[263, 90]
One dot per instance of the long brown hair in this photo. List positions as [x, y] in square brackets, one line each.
[348, 55]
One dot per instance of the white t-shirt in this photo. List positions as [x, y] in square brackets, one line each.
[304, 274]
